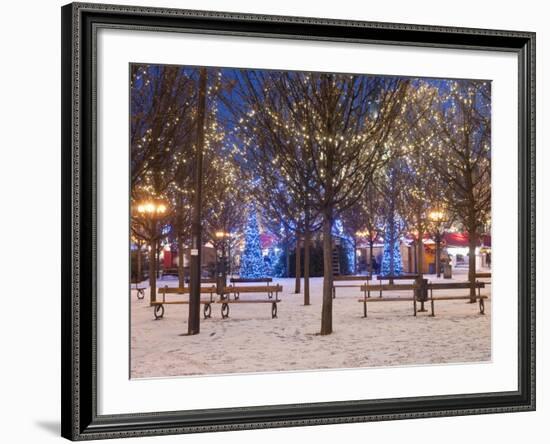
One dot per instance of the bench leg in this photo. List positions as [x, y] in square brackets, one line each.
[273, 310]
[140, 293]
[159, 311]
[432, 301]
[481, 306]
[333, 292]
[422, 308]
[225, 310]
[414, 305]
[207, 311]
[433, 312]
[365, 308]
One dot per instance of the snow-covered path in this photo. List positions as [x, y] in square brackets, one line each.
[250, 341]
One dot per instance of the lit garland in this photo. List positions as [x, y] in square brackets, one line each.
[252, 261]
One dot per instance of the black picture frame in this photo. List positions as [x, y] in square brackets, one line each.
[79, 169]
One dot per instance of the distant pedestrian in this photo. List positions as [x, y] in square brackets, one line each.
[374, 265]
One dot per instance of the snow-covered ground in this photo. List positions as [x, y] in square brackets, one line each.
[250, 341]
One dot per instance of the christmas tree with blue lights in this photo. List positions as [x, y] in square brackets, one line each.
[391, 260]
[252, 261]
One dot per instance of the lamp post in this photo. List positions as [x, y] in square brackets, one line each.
[152, 212]
[437, 217]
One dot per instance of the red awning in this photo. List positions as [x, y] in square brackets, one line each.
[462, 240]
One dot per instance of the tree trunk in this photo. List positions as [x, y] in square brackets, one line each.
[354, 255]
[415, 257]
[153, 272]
[307, 242]
[297, 286]
[181, 275]
[438, 256]
[138, 260]
[229, 259]
[370, 257]
[193, 326]
[326, 313]
[472, 265]
[392, 248]
[287, 253]
[157, 262]
[420, 254]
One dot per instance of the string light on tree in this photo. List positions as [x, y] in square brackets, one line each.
[391, 259]
[252, 261]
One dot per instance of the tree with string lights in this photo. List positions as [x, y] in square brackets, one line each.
[225, 202]
[252, 261]
[162, 99]
[393, 222]
[290, 199]
[460, 146]
[364, 219]
[336, 126]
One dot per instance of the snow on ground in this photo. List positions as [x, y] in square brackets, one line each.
[250, 341]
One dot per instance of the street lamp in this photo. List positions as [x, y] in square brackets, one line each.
[437, 217]
[152, 211]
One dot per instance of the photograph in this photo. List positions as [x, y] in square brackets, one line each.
[285, 221]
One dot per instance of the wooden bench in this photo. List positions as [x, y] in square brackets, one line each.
[265, 280]
[454, 286]
[348, 278]
[367, 289]
[187, 280]
[236, 291]
[484, 276]
[399, 277]
[159, 305]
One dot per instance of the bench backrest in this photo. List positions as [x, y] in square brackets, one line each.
[351, 278]
[390, 287]
[397, 278]
[253, 289]
[250, 280]
[185, 290]
[483, 275]
[454, 285]
[203, 280]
